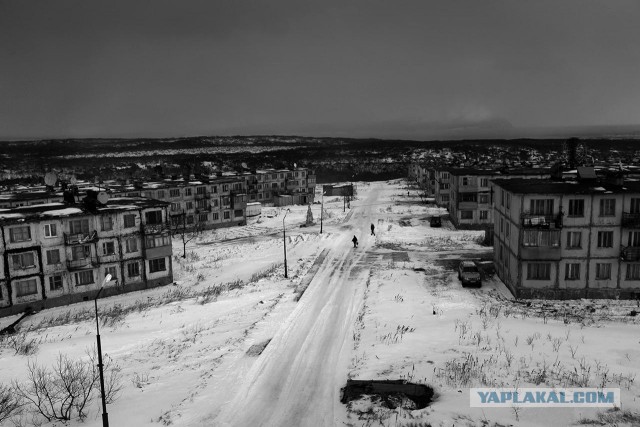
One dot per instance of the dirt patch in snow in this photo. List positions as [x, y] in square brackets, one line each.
[390, 393]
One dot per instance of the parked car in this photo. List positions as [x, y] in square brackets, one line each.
[469, 274]
[435, 221]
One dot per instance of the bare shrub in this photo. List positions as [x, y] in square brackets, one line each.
[10, 403]
[63, 391]
[20, 343]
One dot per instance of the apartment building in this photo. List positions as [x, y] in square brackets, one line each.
[221, 200]
[568, 239]
[472, 193]
[60, 253]
[442, 186]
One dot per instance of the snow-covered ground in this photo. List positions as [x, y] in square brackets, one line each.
[391, 308]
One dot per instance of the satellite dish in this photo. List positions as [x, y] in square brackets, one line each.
[244, 165]
[73, 180]
[50, 179]
[103, 197]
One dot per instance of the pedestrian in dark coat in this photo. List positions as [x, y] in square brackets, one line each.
[355, 241]
[373, 233]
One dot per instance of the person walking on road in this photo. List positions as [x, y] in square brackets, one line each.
[355, 241]
[373, 233]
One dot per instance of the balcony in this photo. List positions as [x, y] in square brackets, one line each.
[200, 196]
[541, 221]
[81, 264]
[630, 253]
[80, 238]
[155, 228]
[631, 220]
[467, 205]
[534, 253]
[157, 252]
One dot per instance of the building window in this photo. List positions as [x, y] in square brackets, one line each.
[215, 216]
[55, 282]
[484, 214]
[465, 181]
[238, 213]
[214, 188]
[187, 191]
[201, 190]
[131, 245]
[175, 207]
[508, 200]
[50, 230]
[20, 234]
[538, 238]
[106, 223]
[23, 261]
[133, 269]
[225, 187]
[576, 207]
[26, 287]
[113, 271]
[226, 215]
[444, 185]
[541, 206]
[484, 198]
[572, 271]
[634, 239]
[468, 197]
[484, 182]
[605, 239]
[633, 271]
[607, 207]
[84, 277]
[53, 256]
[157, 241]
[175, 192]
[201, 204]
[189, 206]
[603, 271]
[190, 219]
[161, 194]
[203, 217]
[501, 225]
[466, 214]
[129, 221]
[538, 271]
[157, 264]
[108, 248]
[574, 239]
[80, 252]
[502, 197]
[444, 198]
[153, 217]
[507, 229]
[79, 226]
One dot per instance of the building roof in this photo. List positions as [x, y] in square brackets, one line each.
[497, 172]
[547, 186]
[60, 210]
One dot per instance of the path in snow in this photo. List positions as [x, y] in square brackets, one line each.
[297, 379]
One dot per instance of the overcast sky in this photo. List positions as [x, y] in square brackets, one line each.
[328, 67]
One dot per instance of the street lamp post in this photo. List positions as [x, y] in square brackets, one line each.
[284, 240]
[105, 415]
[321, 211]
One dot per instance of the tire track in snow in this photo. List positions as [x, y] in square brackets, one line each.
[297, 379]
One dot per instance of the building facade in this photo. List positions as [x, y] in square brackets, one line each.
[56, 254]
[568, 239]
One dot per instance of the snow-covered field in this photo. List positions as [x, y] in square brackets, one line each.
[189, 354]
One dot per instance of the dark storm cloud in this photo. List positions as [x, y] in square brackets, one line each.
[378, 68]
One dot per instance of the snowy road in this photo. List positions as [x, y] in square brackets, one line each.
[297, 379]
